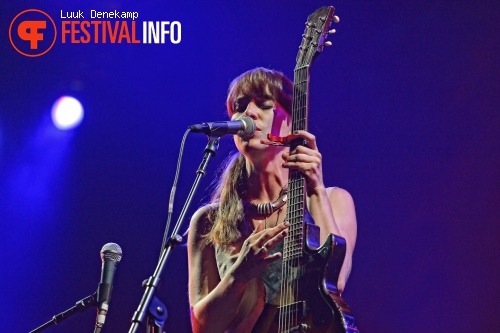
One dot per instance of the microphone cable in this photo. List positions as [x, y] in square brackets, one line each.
[173, 190]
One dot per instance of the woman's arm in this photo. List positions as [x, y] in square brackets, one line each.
[333, 213]
[214, 301]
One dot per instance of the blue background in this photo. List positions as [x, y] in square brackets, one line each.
[405, 105]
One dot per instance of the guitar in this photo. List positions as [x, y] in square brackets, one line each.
[309, 301]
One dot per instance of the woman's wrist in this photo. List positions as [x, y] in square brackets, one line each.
[319, 190]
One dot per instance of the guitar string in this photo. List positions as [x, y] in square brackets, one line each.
[291, 298]
[284, 269]
[286, 248]
[292, 291]
[301, 198]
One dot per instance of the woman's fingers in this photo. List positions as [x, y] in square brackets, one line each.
[258, 228]
[283, 232]
[271, 237]
[276, 239]
[296, 157]
[307, 159]
[273, 257]
[311, 139]
[254, 255]
[261, 241]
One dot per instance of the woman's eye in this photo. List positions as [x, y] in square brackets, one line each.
[266, 107]
[239, 108]
[241, 105]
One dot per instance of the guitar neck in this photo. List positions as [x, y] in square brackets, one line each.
[296, 194]
[312, 44]
[300, 99]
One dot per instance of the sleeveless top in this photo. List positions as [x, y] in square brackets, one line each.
[258, 291]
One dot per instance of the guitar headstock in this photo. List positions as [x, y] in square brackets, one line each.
[315, 34]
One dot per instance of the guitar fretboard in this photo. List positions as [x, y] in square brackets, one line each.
[292, 248]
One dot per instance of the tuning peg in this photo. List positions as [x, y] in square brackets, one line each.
[336, 19]
[327, 43]
[330, 32]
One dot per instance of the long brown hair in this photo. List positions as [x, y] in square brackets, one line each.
[228, 216]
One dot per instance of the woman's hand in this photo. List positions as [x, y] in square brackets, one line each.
[306, 159]
[254, 256]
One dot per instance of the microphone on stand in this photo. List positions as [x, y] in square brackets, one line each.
[111, 254]
[243, 127]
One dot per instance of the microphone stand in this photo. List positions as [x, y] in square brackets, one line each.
[80, 306]
[150, 306]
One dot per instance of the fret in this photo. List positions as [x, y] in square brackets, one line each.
[293, 236]
[293, 249]
[302, 68]
[294, 256]
[302, 120]
[294, 232]
[295, 243]
[301, 112]
[293, 252]
[301, 82]
[294, 227]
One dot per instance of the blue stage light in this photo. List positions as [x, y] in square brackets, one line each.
[67, 113]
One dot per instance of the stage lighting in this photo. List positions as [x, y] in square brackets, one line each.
[67, 113]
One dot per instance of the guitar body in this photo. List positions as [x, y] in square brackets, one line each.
[317, 307]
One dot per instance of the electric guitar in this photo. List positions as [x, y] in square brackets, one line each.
[309, 298]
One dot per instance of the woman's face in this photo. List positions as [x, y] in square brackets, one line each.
[269, 117]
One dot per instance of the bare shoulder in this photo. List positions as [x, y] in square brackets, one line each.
[344, 213]
[340, 197]
[203, 274]
[200, 223]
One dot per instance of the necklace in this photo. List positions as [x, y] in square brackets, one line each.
[268, 208]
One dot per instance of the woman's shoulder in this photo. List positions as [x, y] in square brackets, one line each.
[338, 192]
[339, 197]
[204, 211]
[201, 221]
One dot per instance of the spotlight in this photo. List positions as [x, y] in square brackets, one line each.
[67, 113]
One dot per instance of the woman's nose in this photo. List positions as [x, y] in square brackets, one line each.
[251, 110]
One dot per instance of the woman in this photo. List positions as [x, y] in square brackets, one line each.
[234, 243]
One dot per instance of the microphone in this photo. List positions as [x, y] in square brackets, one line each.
[111, 254]
[244, 127]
